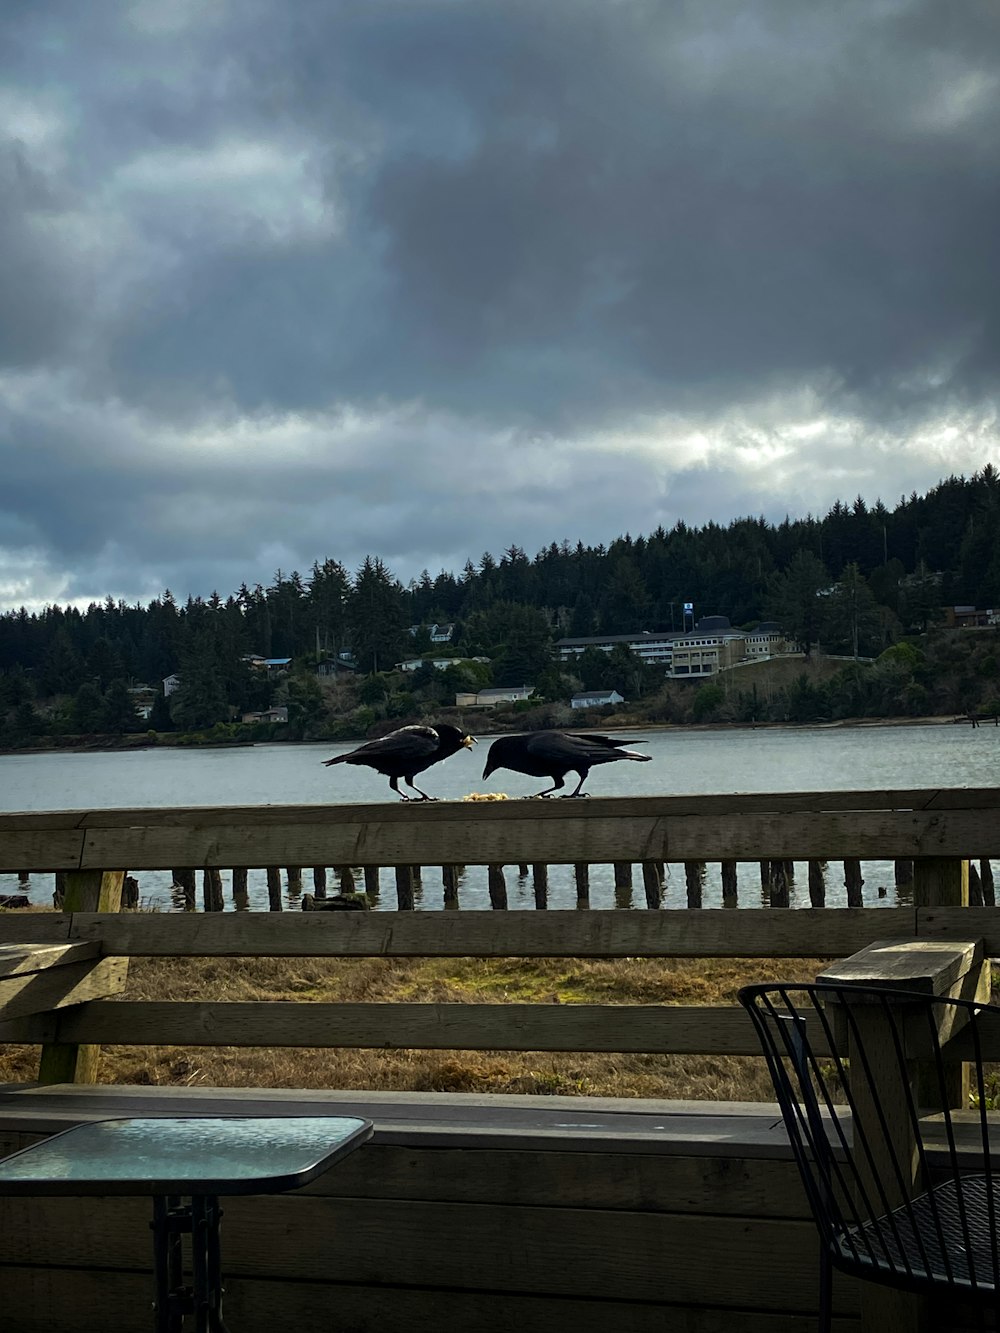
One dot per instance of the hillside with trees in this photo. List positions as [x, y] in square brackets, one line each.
[862, 582]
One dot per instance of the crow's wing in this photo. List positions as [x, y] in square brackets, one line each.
[406, 743]
[558, 748]
[608, 742]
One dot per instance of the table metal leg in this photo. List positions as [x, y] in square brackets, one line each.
[200, 1217]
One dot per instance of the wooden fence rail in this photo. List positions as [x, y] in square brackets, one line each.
[935, 831]
[773, 830]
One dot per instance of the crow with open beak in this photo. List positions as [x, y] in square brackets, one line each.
[407, 752]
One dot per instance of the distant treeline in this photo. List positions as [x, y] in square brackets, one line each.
[857, 580]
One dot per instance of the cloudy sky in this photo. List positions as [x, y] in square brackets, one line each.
[281, 281]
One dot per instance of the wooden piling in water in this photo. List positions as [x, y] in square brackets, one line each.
[345, 878]
[817, 883]
[241, 896]
[540, 884]
[779, 884]
[185, 881]
[294, 874]
[986, 879]
[449, 883]
[211, 889]
[523, 870]
[404, 888]
[652, 883]
[902, 873]
[730, 891]
[373, 883]
[130, 892]
[623, 874]
[975, 886]
[853, 882]
[319, 882]
[274, 901]
[498, 888]
[581, 874]
[694, 878]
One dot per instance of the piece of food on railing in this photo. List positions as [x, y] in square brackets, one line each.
[486, 796]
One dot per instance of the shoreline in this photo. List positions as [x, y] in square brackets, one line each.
[614, 725]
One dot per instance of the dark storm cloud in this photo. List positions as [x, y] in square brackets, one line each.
[282, 281]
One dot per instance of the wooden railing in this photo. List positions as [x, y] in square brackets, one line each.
[937, 830]
[358, 842]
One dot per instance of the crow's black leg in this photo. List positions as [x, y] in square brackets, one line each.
[557, 786]
[402, 795]
[576, 790]
[422, 794]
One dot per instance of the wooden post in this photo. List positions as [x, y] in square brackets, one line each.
[373, 883]
[975, 887]
[85, 891]
[652, 883]
[130, 892]
[817, 883]
[729, 884]
[241, 898]
[523, 870]
[294, 874]
[449, 882]
[853, 882]
[59, 890]
[211, 889]
[941, 881]
[581, 873]
[540, 882]
[986, 878]
[765, 880]
[274, 890]
[623, 884]
[882, 1308]
[404, 888]
[498, 888]
[319, 881]
[345, 877]
[902, 873]
[779, 884]
[694, 877]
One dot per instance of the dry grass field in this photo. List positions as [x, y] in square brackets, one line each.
[456, 981]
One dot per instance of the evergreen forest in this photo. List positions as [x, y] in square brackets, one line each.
[864, 583]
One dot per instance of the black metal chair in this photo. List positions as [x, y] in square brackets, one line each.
[899, 1178]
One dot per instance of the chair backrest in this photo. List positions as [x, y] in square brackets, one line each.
[871, 1092]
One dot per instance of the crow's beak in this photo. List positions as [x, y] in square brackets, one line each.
[469, 742]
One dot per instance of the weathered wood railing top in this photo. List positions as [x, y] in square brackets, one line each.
[955, 822]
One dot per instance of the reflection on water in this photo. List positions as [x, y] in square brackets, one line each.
[685, 762]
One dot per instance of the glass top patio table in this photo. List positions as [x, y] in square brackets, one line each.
[183, 1155]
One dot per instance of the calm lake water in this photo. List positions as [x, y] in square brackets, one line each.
[683, 762]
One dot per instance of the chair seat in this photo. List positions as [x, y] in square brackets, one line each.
[948, 1234]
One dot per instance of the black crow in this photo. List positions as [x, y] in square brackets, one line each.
[406, 752]
[553, 754]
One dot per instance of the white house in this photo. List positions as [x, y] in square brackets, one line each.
[438, 633]
[267, 715]
[509, 694]
[438, 663]
[596, 699]
[170, 684]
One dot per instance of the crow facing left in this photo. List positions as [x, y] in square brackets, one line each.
[407, 752]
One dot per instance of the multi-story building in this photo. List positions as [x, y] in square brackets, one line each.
[713, 645]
